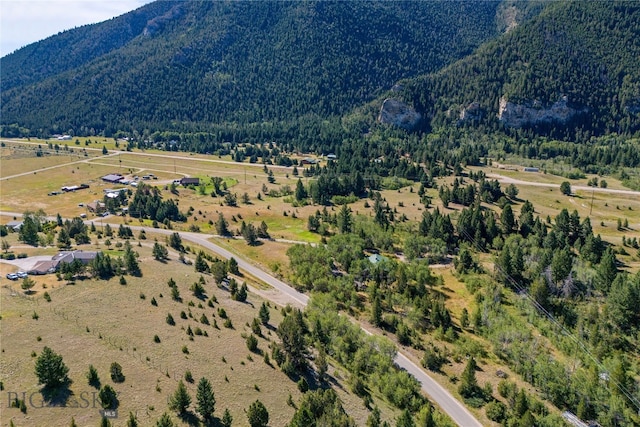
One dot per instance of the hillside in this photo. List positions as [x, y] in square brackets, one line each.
[195, 63]
[571, 70]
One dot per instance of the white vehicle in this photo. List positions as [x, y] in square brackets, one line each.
[21, 274]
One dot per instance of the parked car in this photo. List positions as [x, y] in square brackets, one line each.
[12, 276]
[21, 274]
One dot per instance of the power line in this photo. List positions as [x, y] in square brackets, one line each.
[521, 290]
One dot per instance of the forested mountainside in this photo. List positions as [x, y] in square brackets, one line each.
[188, 65]
[76, 47]
[571, 71]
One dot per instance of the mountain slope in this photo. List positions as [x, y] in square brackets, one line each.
[237, 62]
[76, 47]
[585, 51]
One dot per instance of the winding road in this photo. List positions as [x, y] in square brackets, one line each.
[438, 394]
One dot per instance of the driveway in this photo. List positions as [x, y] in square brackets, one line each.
[26, 264]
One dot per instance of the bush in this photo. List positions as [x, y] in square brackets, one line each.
[303, 385]
[496, 411]
[116, 373]
[252, 343]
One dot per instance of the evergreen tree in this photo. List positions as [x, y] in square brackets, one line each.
[180, 400]
[227, 419]
[132, 421]
[131, 260]
[50, 369]
[222, 226]
[300, 192]
[507, 219]
[29, 231]
[405, 419]
[292, 331]
[264, 314]
[64, 241]
[345, 221]
[607, 270]
[374, 419]
[468, 384]
[201, 265]
[258, 415]
[160, 252]
[205, 399]
[165, 421]
[108, 397]
[561, 264]
[93, 378]
[175, 241]
[232, 266]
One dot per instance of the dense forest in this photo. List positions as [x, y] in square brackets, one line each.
[200, 65]
[586, 51]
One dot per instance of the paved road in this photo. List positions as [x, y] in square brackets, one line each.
[435, 391]
[508, 180]
[438, 394]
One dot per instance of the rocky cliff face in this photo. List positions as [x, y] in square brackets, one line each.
[532, 113]
[397, 113]
[471, 113]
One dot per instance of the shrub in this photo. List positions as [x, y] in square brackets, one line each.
[116, 373]
[252, 343]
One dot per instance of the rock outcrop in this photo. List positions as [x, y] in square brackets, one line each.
[397, 113]
[533, 113]
[471, 113]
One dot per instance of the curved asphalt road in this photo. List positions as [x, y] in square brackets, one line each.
[438, 394]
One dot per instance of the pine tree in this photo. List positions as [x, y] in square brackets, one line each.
[344, 219]
[257, 414]
[300, 192]
[227, 419]
[468, 384]
[222, 227]
[264, 314]
[131, 260]
[165, 421]
[180, 400]
[50, 369]
[205, 399]
[132, 421]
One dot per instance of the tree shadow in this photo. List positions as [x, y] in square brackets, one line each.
[57, 396]
[190, 418]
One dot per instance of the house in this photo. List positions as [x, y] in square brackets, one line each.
[14, 225]
[69, 257]
[376, 258]
[96, 207]
[43, 267]
[51, 266]
[308, 161]
[531, 169]
[112, 178]
[189, 181]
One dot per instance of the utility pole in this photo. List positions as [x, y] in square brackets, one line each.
[593, 190]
